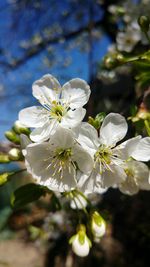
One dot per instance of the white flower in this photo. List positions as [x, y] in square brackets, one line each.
[98, 225]
[61, 106]
[80, 242]
[56, 163]
[142, 150]
[133, 151]
[137, 178]
[20, 128]
[127, 40]
[107, 169]
[137, 147]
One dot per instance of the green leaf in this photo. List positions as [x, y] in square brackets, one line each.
[133, 110]
[97, 121]
[4, 216]
[100, 117]
[26, 194]
[55, 204]
[147, 126]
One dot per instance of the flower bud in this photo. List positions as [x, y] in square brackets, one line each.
[4, 158]
[15, 154]
[4, 177]
[113, 60]
[80, 242]
[20, 128]
[97, 121]
[144, 23]
[78, 202]
[98, 225]
[12, 136]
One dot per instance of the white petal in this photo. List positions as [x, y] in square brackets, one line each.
[141, 174]
[43, 133]
[24, 142]
[82, 250]
[113, 129]
[33, 116]
[38, 159]
[73, 118]
[76, 92]
[98, 230]
[138, 180]
[129, 187]
[55, 183]
[63, 138]
[142, 150]
[111, 178]
[126, 149]
[83, 159]
[83, 183]
[88, 138]
[91, 184]
[46, 89]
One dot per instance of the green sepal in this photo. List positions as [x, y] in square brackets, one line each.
[72, 239]
[89, 241]
[97, 218]
[97, 121]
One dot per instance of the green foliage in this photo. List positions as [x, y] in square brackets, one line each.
[55, 204]
[4, 216]
[97, 121]
[27, 194]
[35, 232]
[5, 232]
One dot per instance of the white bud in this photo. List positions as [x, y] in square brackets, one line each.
[98, 225]
[14, 154]
[19, 128]
[80, 242]
[19, 124]
[78, 202]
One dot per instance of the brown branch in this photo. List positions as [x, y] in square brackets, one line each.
[45, 43]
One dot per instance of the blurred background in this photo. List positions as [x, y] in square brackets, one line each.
[68, 39]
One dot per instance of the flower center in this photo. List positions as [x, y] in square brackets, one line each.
[103, 158]
[61, 161]
[129, 172]
[57, 111]
[63, 154]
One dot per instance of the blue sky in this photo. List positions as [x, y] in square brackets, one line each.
[16, 85]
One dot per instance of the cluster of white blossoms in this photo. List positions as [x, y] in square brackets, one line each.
[127, 40]
[68, 155]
